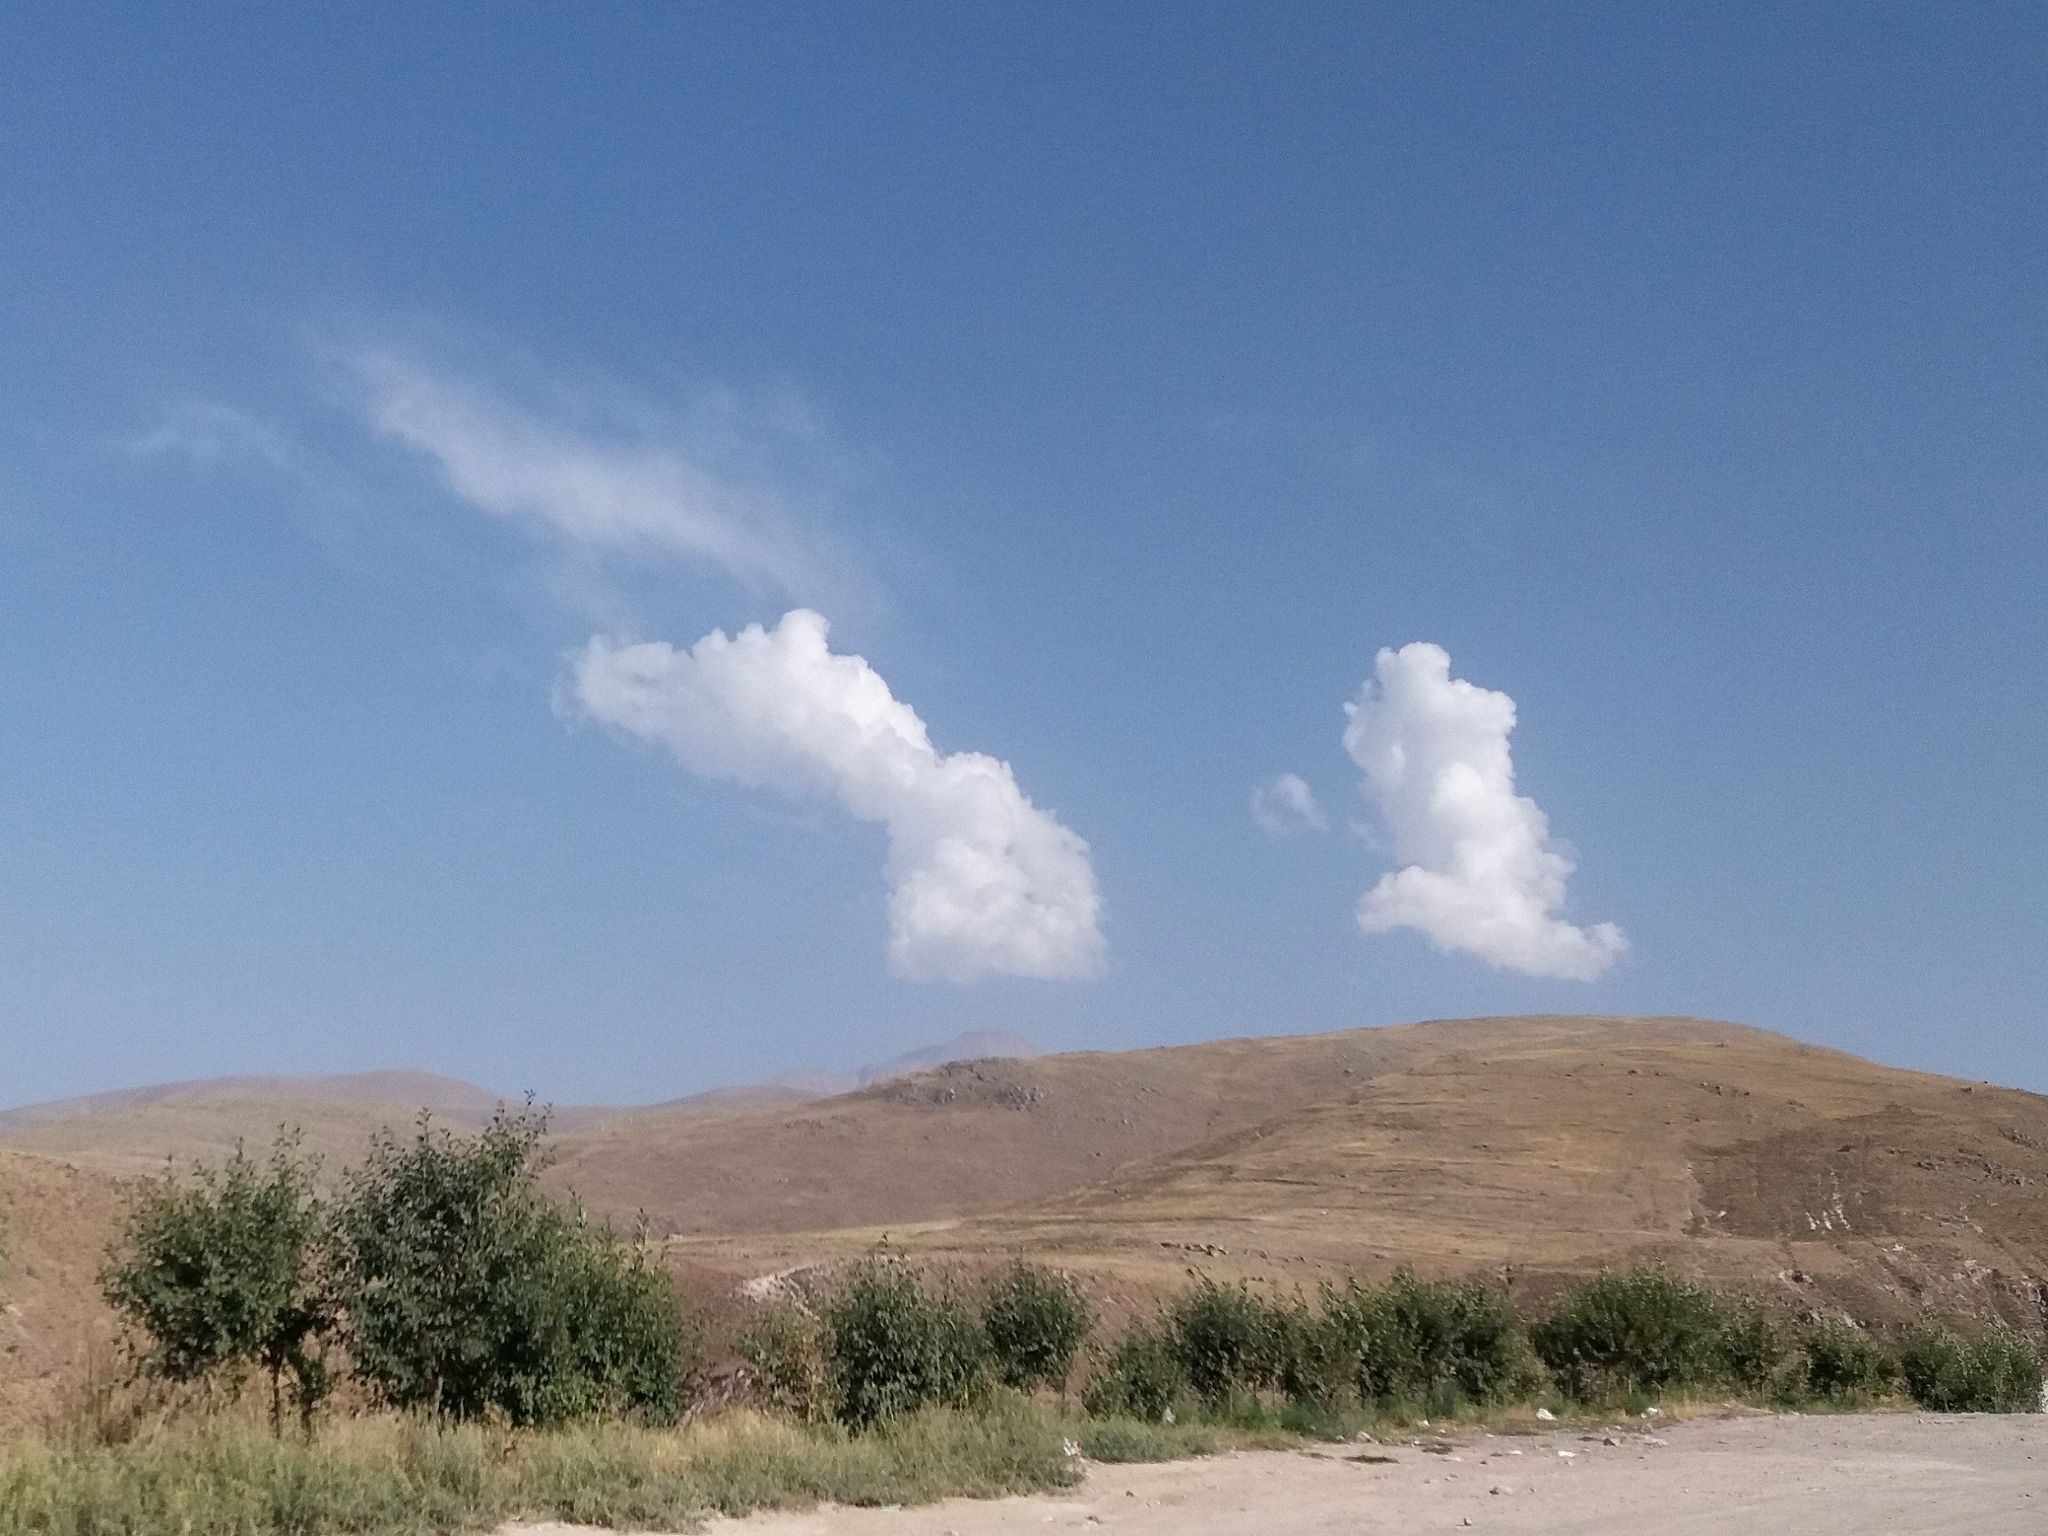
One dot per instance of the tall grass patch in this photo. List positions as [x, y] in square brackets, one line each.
[395, 1476]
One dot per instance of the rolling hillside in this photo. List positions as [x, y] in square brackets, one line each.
[1535, 1149]
[445, 1096]
[136, 1130]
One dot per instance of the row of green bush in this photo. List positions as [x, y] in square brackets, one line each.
[440, 1279]
[886, 1342]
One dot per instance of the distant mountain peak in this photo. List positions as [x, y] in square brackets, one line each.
[421, 1090]
[972, 1045]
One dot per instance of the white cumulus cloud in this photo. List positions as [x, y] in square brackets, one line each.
[982, 882]
[1480, 874]
[1285, 805]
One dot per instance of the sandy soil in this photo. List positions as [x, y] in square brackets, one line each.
[1825, 1476]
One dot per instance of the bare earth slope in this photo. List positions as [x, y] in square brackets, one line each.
[976, 1136]
[445, 1096]
[142, 1139]
[135, 1130]
[1538, 1148]
[56, 1223]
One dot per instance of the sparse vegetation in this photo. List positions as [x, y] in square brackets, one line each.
[402, 1476]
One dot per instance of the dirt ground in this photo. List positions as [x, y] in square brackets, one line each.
[1899, 1474]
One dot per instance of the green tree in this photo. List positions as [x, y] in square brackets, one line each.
[1231, 1343]
[1036, 1321]
[896, 1347]
[220, 1271]
[1140, 1378]
[466, 1291]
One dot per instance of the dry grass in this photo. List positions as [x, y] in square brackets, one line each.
[397, 1477]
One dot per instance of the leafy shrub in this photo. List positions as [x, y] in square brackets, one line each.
[1642, 1330]
[1036, 1321]
[1229, 1342]
[622, 1345]
[1753, 1352]
[1841, 1364]
[1418, 1341]
[1139, 1379]
[220, 1273]
[1997, 1372]
[467, 1292]
[895, 1347]
[1319, 1356]
[785, 1348]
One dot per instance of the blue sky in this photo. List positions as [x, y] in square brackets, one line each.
[1118, 382]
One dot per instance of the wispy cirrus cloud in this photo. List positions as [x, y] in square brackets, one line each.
[592, 472]
[1480, 873]
[212, 432]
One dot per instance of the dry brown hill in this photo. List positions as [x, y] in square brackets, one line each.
[1540, 1148]
[1534, 1148]
[128, 1142]
[56, 1224]
[448, 1097]
[978, 1136]
[135, 1130]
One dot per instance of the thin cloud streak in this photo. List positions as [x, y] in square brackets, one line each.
[212, 432]
[625, 485]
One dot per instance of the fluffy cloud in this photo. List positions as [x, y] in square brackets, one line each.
[609, 479]
[1480, 874]
[982, 882]
[1285, 805]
